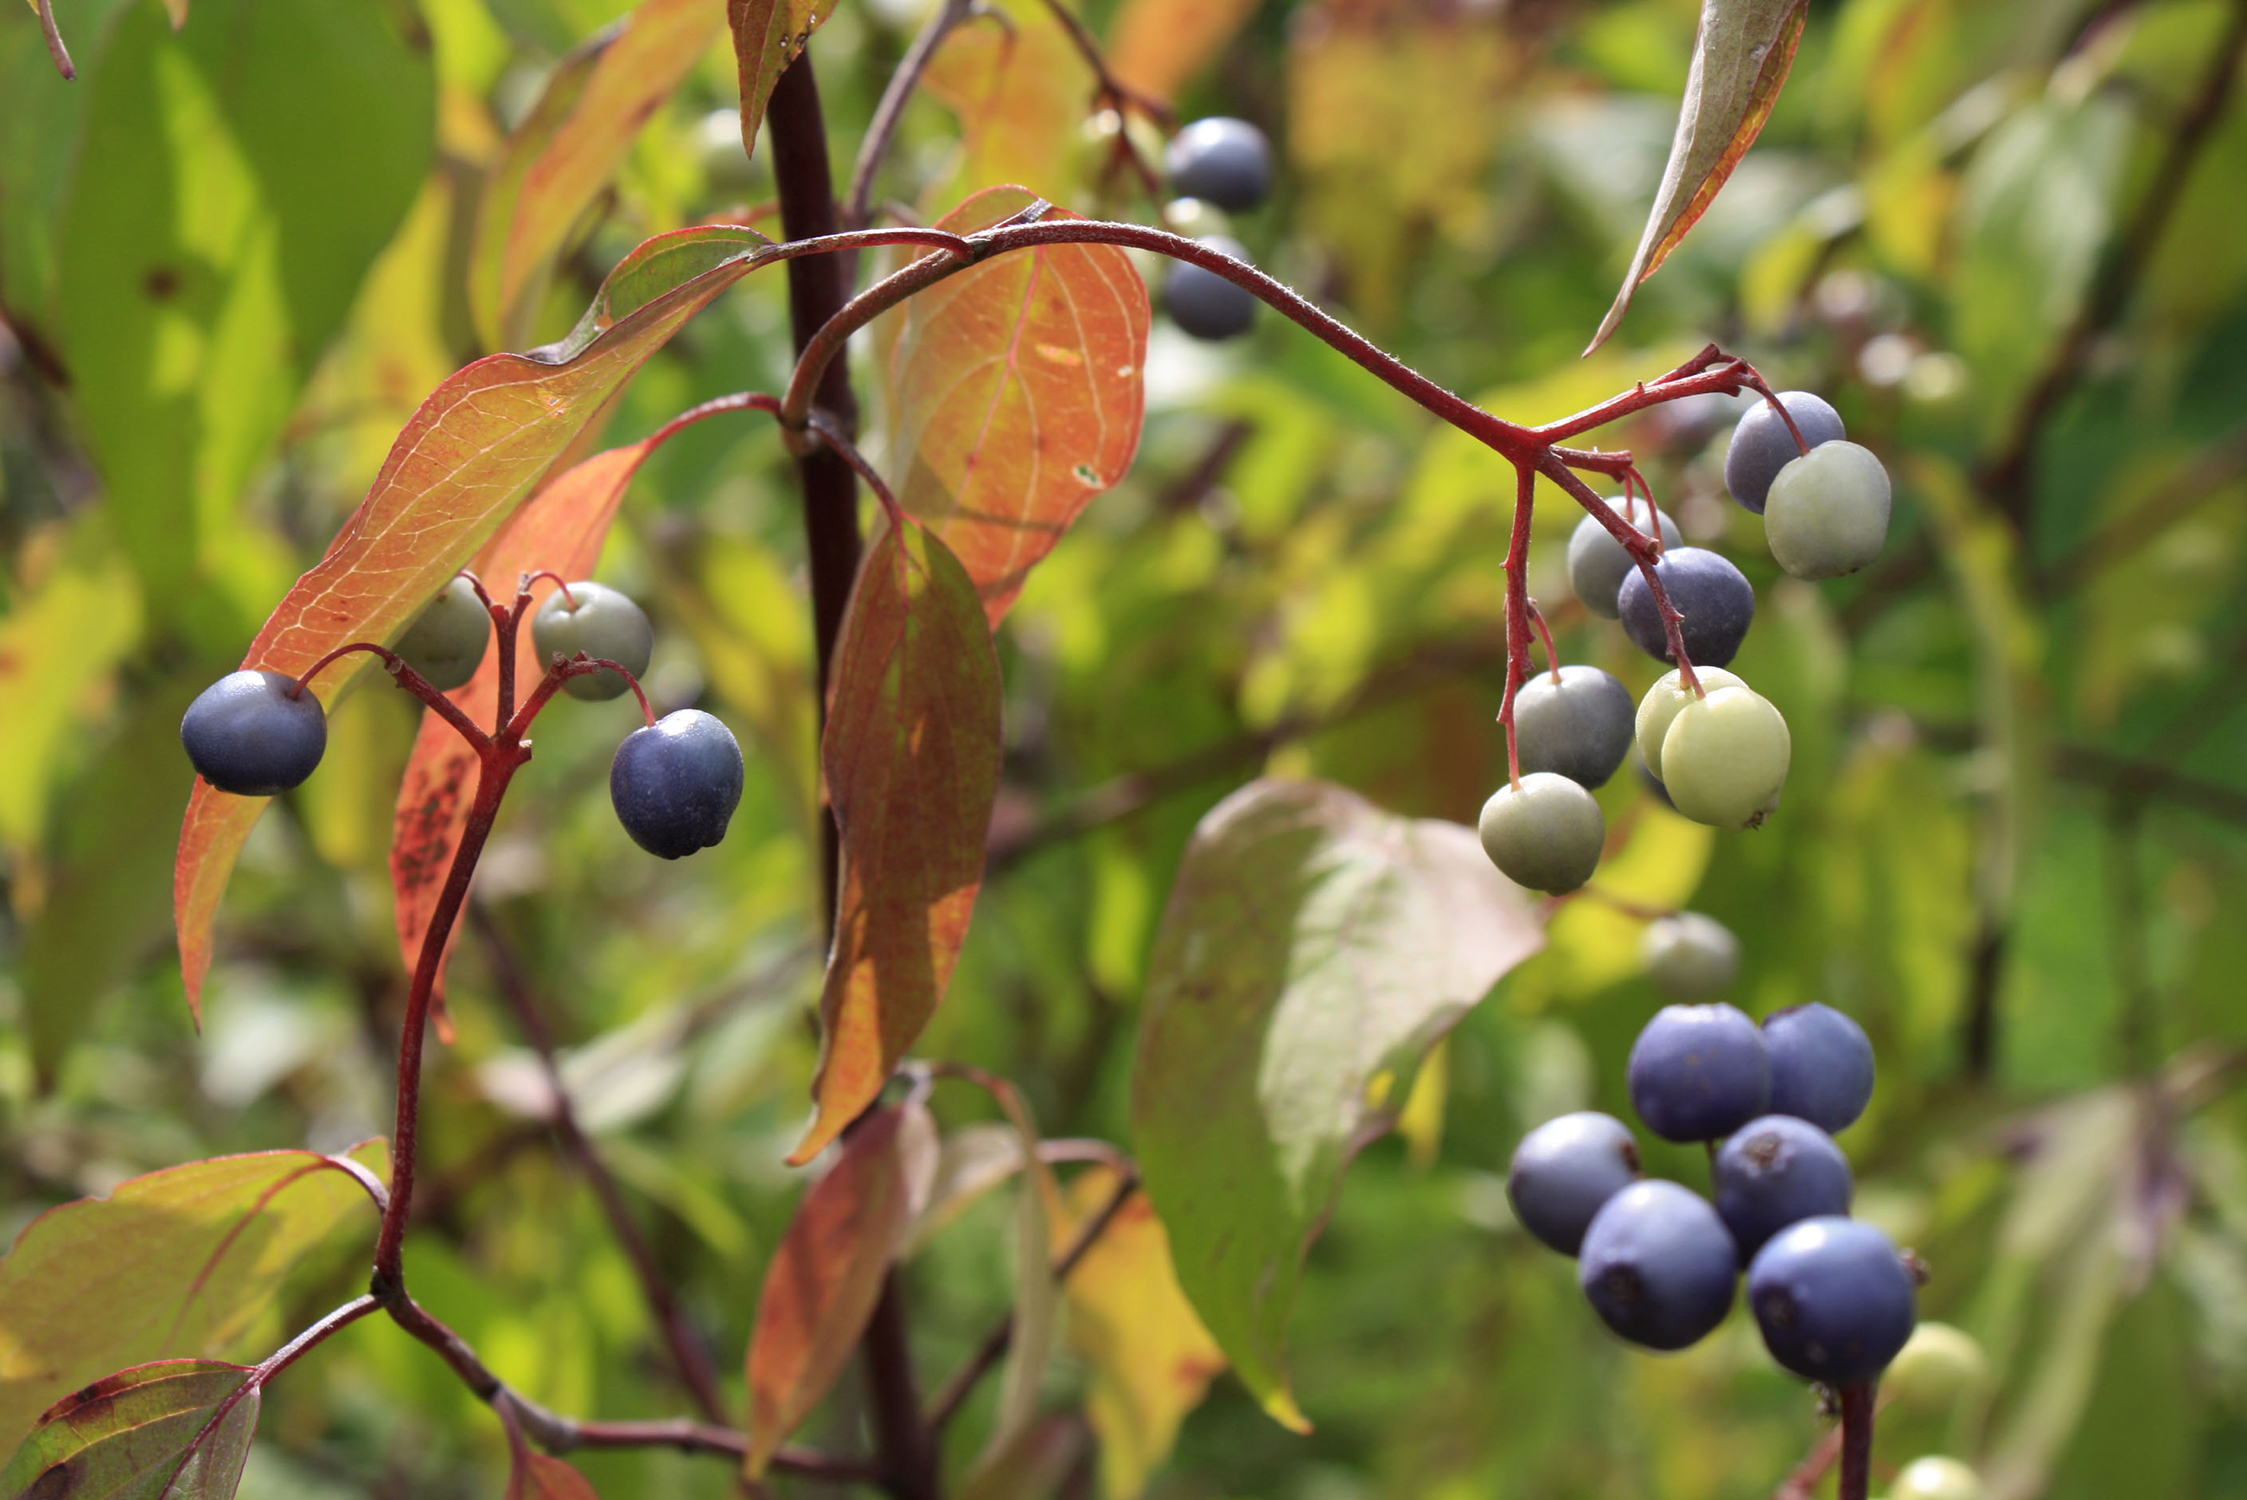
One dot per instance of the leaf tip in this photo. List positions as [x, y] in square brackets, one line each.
[1280, 1406]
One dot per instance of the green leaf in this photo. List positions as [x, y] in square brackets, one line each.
[178, 1430]
[768, 35]
[1313, 950]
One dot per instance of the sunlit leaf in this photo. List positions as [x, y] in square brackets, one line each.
[912, 760]
[768, 35]
[1740, 60]
[1313, 950]
[1018, 398]
[177, 1430]
[827, 1273]
[1157, 45]
[60, 644]
[1021, 90]
[565, 151]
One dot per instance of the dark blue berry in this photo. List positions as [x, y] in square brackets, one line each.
[1774, 1172]
[1762, 446]
[1222, 161]
[1580, 726]
[1715, 598]
[1699, 1072]
[1658, 1265]
[676, 783]
[1564, 1172]
[1833, 1298]
[247, 735]
[1204, 303]
[1821, 1066]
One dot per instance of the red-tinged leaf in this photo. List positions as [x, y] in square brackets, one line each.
[178, 1430]
[1314, 949]
[911, 755]
[1740, 60]
[1021, 90]
[768, 35]
[1158, 45]
[1018, 398]
[565, 151]
[828, 1271]
[537, 1476]
[185, 1261]
[478, 445]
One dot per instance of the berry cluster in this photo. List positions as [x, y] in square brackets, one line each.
[1716, 749]
[675, 783]
[1659, 1262]
[1217, 166]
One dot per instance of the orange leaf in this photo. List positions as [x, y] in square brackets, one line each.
[1159, 44]
[1021, 90]
[827, 1273]
[1018, 396]
[911, 754]
[768, 35]
[535, 1476]
[558, 159]
[478, 444]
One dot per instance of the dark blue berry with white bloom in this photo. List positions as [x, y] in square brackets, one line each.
[1715, 598]
[675, 783]
[1222, 161]
[1834, 1299]
[1762, 445]
[1821, 1066]
[1774, 1172]
[1699, 1072]
[255, 734]
[1564, 1172]
[1658, 1265]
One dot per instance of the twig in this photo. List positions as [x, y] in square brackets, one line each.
[857, 212]
[1109, 89]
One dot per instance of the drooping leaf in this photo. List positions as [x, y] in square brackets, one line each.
[557, 161]
[478, 444]
[768, 35]
[827, 1273]
[539, 1476]
[1313, 950]
[1031, 1464]
[176, 1430]
[1021, 90]
[185, 1261]
[1150, 1357]
[1018, 398]
[911, 754]
[972, 1161]
[1037, 1301]
[1740, 60]
[1157, 45]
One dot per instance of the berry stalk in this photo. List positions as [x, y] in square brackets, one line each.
[1856, 1440]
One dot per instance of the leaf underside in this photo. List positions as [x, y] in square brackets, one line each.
[177, 1430]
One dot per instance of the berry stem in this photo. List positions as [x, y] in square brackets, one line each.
[1518, 611]
[412, 681]
[857, 208]
[1644, 552]
[1552, 657]
[579, 665]
[1856, 1440]
[831, 433]
[569, 600]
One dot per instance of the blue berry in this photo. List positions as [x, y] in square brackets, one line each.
[1833, 1298]
[1699, 1072]
[1580, 726]
[1774, 1172]
[1658, 1265]
[597, 621]
[1821, 1066]
[1564, 1172]
[1222, 161]
[1715, 598]
[246, 734]
[1762, 446]
[1597, 563]
[676, 783]
[1204, 303]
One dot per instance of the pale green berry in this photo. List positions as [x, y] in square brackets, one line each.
[1828, 511]
[446, 644]
[1725, 758]
[599, 622]
[1690, 956]
[1661, 705]
[1937, 1479]
[1938, 1366]
[1544, 832]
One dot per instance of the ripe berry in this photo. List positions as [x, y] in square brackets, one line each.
[1597, 563]
[1938, 1365]
[1821, 1065]
[676, 782]
[1205, 304]
[1658, 1265]
[1762, 446]
[600, 623]
[1725, 758]
[1222, 161]
[1690, 956]
[446, 645]
[1545, 832]
[1827, 513]
[1774, 1172]
[1661, 705]
[1715, 598]
[1698, 1072]
[1564, 1172]
[1833, 1298]
[247, 735]
[1937, 1479]
[1579, 725]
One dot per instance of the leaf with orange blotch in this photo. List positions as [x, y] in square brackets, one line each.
[480, 443]
[1021, 90]
[827, 1273]
[768, 35]
[556, 162]
[911, 755]
[176, 1430]
[1741, 57]
[1018, 398]
[1157, 45]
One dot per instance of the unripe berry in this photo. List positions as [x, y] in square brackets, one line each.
[1828, 512]
[1938, 1366]
[1545, 832]
[1598, 564]
[1937, 1479]
[1658, 1266]
[446, 644]
[1222, 161]
[599, 622]
[1690, 956]
[1774, 1172]
[1762, 446]
[1662, 704]
[1203, 303]
[1714, 597]
[675, 783]
[1564, 1172]
[1833, 1298]
[1725, 759]
[1698, 1072]
[1195, 219]
[246, 734]
[1821, 1065]
[1577, 722]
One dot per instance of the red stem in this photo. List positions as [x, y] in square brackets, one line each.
[1545, 634]
[1517, 611]
[412, 681]
[1643, 550]
[1856, 1440]
[569, 599]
